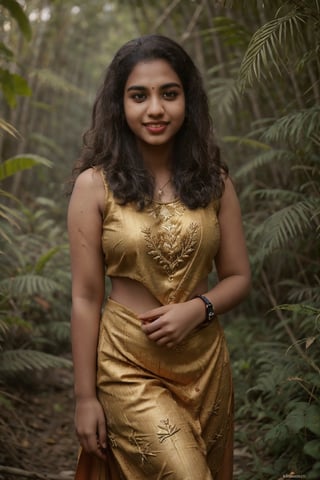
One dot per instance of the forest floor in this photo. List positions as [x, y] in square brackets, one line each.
[37, 438]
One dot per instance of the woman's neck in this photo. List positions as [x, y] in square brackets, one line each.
[157, 158]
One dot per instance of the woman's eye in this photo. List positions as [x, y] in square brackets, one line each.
[170, 95]
[138, 97]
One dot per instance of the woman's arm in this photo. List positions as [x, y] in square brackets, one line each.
[232, 261]
[168, 325]
[87, 266]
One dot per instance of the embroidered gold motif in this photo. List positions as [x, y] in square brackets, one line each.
[216, 438]
[112, 440]
[142, 446]
[215, 408]
[163, 212]
[169, 247]
[167, 430]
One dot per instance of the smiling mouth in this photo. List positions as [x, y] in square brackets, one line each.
[156, 125]
[156, 128]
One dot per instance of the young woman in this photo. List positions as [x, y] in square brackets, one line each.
[153, 208]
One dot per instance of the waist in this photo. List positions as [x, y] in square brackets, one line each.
[135, 296]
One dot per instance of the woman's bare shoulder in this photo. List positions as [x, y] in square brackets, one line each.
[89, 188]
[90, 178]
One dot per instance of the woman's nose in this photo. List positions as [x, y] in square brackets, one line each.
[155, 106]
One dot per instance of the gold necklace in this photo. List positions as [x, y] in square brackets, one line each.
[161, 189]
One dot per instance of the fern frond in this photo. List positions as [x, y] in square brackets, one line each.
[58, 331]
[296, 127]
[18, 361]
[288, 223]
[301, 293]
[279, 195]
[269, 157]
[266, 47]
[29, 284]
[224, 93]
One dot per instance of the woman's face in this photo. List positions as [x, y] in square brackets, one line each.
[154, 102]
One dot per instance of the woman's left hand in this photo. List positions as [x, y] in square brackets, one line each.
[170, 324]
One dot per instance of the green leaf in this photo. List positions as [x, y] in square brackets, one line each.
[246, 141]
[304, 416]
[278, 433]
[13, 85]
[313, 419]
[312, 449]
[46, 257]
[18, 14]
[21, 162]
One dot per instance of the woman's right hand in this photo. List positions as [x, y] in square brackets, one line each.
[90, 426]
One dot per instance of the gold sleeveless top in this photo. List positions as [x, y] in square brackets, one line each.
[167, 247]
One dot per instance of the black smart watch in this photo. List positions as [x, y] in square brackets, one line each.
[210, 313]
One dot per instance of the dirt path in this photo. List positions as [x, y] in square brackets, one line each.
[38, 435]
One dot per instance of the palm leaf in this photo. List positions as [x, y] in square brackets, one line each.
[21, 162]
[224, 93]
[231, 31]
[266, 47]
[295, 127]
[7, 127]
[288, 223]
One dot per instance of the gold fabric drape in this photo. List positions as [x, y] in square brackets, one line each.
[169, 411]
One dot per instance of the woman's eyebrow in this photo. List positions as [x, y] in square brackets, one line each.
[162, 87]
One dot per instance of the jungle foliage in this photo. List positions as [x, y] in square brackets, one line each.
[260, 61]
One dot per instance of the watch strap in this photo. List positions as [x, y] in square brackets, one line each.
[210, 313]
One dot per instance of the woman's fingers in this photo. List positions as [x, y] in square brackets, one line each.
[102, 435]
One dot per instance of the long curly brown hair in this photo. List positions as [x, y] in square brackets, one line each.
[109, 142]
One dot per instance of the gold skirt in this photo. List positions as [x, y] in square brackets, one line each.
[169, 411]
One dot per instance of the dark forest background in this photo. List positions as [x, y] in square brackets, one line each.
[261, 63]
